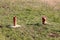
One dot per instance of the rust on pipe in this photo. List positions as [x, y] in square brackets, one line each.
[43, 20]
[14, 20]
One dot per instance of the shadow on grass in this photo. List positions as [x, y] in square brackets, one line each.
[36, 24]
[1, 26]
[8, 26]
[39, 25]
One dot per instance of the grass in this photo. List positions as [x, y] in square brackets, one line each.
[29, 17]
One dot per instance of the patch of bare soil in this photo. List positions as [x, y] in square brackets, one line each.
[52, 3]
[54, 35]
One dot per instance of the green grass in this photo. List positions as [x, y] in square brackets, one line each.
[29, 17]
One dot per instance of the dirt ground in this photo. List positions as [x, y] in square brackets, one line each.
[52, 3]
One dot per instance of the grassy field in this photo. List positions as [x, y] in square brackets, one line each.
[29, 15]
